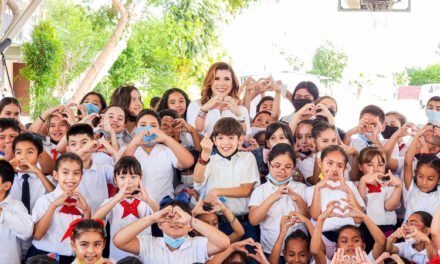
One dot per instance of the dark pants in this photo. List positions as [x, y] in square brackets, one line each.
[33, 251]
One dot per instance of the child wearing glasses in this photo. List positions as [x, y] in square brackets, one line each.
[279, 196]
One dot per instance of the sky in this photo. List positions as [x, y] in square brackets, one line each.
[374, 42]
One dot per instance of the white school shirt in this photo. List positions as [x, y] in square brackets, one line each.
[15, 225]
[214, 115]
[376, 207]
[157, 170]
[51, 241]
[93, 184]
[103, 158]
[224, 173]
[153, 250]
[416, 200]
[270, 226]
[407, 251]
[359, 144]
[114, 217]
[328, 195]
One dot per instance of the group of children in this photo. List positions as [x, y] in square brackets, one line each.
[222, 179]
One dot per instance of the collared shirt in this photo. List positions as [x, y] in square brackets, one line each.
[214, 115]
[359, 144]
[15, 224]
[93, 184]
[51, 241]
[376, 206]
[224, 173]
[36, 187]
[114, 217]
[407, 251]
[157, 170]
[416, 200]
[270, 226]
[153, 250]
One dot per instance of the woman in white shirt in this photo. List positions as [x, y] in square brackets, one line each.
[220, 98]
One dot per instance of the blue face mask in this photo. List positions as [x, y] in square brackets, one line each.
[364, 138]
[269, 177]
[91, 108]
[146, 138]
[433, 116]
[105, 134]
[174, 243]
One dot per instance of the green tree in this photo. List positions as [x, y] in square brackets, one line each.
[330, 62]
[43, 57]
[360, 83]
[430, 74]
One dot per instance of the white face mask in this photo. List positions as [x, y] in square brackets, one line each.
[411, 241]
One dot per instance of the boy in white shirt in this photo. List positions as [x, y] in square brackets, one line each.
[228, 173]
[15, 221]
[158, 154]
[96, 176]
[176, 246]
[54, 211]
[129, 204]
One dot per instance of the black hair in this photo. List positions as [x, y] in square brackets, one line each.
[399, 116]
[41, 259]
[184, 206]
[264, 99]
[332, 148]
[126, 165]
[309, 86]
[150, 112]
[435, 98]
[352, 227]
[68, 156]
[272, 128]
[121, 96]
[259, 134]
[227, 126]
[425, 217]
[7, 172]
[129, 260]
[308, 122]
[101, 99]
[118, 106]
[6, 123]
[87, 225]
[233, 255]
[7, 101]
[298, 234]
[320, 126]
[79, 129]
[164, 101]
[154, 101]
[261, 112]
[429, 160]
[29, 137]
[374, 110]
[281, 149]
[168, 112]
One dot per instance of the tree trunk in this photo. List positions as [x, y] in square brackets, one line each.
[103, 62]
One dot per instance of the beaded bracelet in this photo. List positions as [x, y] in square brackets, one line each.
[202, 114]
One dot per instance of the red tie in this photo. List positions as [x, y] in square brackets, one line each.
[70, 209]
[130, 208]
[374, 188]
[54, 154]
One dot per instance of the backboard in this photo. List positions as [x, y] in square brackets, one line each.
[375, 5]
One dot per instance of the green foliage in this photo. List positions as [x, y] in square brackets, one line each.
[400, 78]
[43, 57]
[430, 74]
[329, 61]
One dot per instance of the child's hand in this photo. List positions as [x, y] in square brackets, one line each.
[88, 119]
[183, 126]
[394, 181]
[399, 233]
[60, 201]
[307, 111]
[81, 202]
[105, 125]
[259, 256]
[90, 147]
[406, 130]
[164, 215]
[285, 223]
[397, 259]
[26, 166]
[207, 146]
[293, 195]
[331, 206]
[282, 190]
[361, 257]
[180, 216]
[217, 205]
[419, 235]
[381, 258]
[121, 194]
[198, 209]
[354, 212]
[143, 195]
[241, 245]
[322, 110]
[371, 177]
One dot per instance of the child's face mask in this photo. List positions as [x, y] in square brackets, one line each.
[174, 243]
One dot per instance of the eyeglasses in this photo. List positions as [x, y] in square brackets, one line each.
[414, 224]
[279, 166]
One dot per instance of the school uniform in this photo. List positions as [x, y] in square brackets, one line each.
[270, 226]
[103, 158]
[416, 200]
[15, 225]
[307, 165]
[359, 144]
[93, 184]
[120, 216]
[36, 190]
[157, 170]
[52, 240]
[214, 115]
[153, 250]
[407, 251]
[376, 206]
